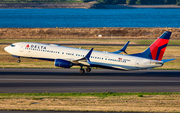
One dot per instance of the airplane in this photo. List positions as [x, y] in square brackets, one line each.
[66, 57]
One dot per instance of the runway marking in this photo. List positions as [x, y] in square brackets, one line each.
[89, 80]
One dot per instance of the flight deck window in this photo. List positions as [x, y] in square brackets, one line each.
[12, 45]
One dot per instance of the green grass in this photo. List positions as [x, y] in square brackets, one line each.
[150, 41]
[139, 95]
[37, 98]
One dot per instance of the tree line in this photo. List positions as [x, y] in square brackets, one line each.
[129, 2]
[26, 1]
[140, 2]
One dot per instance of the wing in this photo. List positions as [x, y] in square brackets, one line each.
[85, 60]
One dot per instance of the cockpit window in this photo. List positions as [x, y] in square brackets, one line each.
[12, 45]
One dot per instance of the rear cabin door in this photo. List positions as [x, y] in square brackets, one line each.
[137, 63]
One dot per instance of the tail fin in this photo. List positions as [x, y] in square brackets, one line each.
[157, 48]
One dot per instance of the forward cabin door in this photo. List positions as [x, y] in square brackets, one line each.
[21, 49]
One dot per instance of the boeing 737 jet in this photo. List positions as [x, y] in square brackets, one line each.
[67, 57]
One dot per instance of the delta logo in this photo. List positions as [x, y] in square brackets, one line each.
[27, 46]
[36, 46]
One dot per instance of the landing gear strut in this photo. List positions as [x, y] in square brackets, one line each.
[18, 61]
[88, 69]
[81, 71]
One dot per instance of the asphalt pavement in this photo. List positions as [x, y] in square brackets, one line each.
[98, 80]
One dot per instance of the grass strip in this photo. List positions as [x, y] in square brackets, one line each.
[91, 41]
[104, 102]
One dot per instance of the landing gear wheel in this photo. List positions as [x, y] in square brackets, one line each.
[81, 71]
[18, 61]
[88, 69]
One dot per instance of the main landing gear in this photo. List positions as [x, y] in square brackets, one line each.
[88, 69]
[81, 71]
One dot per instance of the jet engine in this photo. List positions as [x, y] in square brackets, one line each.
[62, 63]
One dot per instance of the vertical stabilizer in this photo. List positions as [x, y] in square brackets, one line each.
[156, 50]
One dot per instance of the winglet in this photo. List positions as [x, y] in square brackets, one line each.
[125, 46]
[123, 49]
[89, 54]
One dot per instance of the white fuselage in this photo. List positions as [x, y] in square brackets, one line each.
[97, 58]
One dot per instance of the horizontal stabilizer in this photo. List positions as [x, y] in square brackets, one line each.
[167, 60]
[123, 49]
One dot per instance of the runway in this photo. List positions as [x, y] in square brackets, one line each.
[98, 80]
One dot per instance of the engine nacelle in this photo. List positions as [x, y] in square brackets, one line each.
[62, 63]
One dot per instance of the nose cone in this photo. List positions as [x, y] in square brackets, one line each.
[7, 49]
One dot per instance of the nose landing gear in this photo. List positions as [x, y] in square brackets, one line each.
[18, 61]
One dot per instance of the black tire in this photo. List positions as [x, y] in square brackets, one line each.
[88, 69]
[18, 61]
[81, 71]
